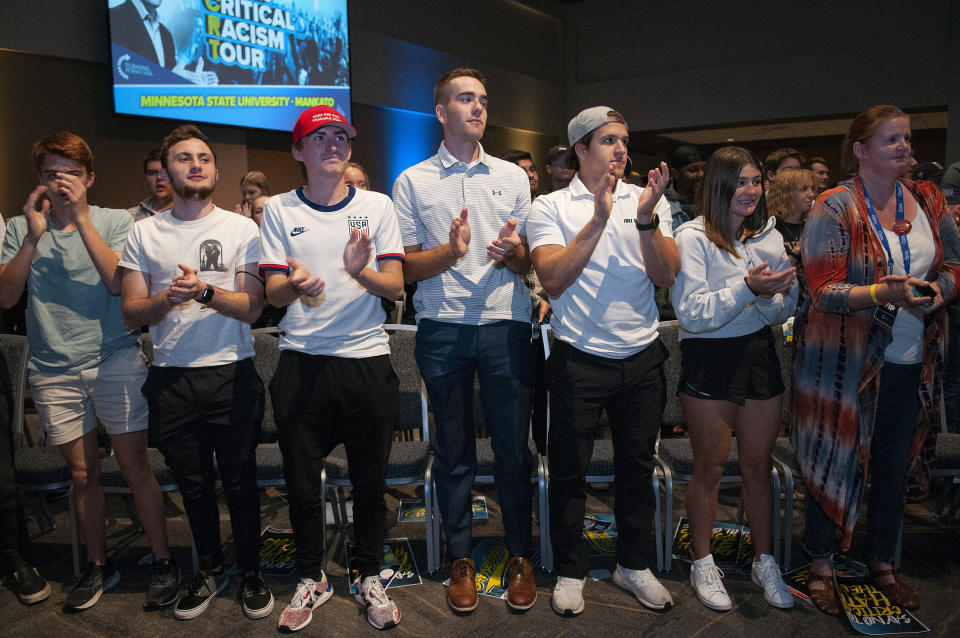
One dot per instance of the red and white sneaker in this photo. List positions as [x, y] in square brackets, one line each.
[382, 612]
[310, 594]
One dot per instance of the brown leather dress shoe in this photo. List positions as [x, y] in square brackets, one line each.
[521, 588]
[898, 591]
[823, 599]
[462, 592]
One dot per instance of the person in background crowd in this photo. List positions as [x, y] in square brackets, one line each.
[253, 185]
[524, 160]
[561, 164]
[821, 173]
[256, 213]
[15, 568]
[329, 252]
[950, 187]
[789, 199]
[777, 161]
[190, 274]
[881, 256]
[604, 239]
[161, 197]
[357, 177]
[736, 282]
[85, 365]
[463, 217]
[686, 171]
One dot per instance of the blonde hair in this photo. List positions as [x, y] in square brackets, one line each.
[781, 202]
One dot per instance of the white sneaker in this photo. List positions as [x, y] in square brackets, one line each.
[382, 612]
[310, 594]
[645, 586]
[705, 577]
[567, 599]
[766, 573]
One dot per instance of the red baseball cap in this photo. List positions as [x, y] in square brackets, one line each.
[317, 116]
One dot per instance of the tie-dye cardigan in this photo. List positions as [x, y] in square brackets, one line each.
[840, 351]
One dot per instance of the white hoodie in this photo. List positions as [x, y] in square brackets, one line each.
[710, 295]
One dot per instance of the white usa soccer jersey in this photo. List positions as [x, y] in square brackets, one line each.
[344, 320]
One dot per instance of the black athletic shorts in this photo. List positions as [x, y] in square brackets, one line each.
[731, 369]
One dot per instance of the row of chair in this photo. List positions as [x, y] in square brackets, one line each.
[42, 469]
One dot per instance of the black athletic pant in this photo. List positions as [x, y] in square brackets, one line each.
[319, 402]
[194, 413]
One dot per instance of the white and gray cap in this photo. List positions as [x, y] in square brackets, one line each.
[589, 120]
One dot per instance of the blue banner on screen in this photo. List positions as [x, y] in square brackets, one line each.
[250, 63]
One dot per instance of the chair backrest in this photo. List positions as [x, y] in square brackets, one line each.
[14, 353]
[785, 352]
[413, 393]
[146, 346]
[266, 356]
[670, 336]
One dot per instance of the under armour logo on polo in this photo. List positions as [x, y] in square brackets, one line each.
[299, 230]
[496, 192]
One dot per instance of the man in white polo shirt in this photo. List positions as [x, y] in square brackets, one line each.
[463, 215]
[329, 252]
[599, 247]
[191, 275]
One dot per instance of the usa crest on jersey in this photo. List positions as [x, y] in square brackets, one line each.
[360, 223]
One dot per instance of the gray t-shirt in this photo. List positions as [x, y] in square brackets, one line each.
[73, 322]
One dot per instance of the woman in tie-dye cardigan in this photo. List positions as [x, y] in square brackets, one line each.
[841, 348]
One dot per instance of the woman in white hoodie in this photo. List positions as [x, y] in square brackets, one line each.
[735, 282]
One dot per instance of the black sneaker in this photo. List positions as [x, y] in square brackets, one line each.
[94, 580]
[203, 588]
[256, 596]
[29, 586]
[163, 584]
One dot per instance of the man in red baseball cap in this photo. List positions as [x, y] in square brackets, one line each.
[334, 383]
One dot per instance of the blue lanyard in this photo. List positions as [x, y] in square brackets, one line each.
[904, 244]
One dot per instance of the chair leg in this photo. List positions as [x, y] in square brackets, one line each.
[429, 512]
[657, 523]
[668, 517]
[775, 479]
[74, 527]
[546, 547]
[323, 516]
[898, 551]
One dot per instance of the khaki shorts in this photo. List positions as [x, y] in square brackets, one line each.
[69, 404]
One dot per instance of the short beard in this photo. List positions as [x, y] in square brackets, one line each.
[188, 191]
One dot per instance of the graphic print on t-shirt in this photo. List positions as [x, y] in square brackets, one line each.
[211, 256]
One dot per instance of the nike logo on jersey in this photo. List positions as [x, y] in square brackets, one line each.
[299, 230]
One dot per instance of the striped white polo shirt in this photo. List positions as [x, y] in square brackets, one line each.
[428, 197]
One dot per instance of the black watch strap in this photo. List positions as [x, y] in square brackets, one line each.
[653, 223]
[206, 296]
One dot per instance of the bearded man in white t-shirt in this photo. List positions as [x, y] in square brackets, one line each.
[191, 275]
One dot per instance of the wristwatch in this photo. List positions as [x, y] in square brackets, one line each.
[206, 296]
[653, 223]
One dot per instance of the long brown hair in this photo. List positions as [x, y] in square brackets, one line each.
[717, 189]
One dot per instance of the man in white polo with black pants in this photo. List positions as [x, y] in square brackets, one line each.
[599, 246]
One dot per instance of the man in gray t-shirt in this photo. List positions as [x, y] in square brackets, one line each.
[85, 364]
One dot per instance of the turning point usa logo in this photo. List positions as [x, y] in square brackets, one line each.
[241, 32]
[125, 67]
